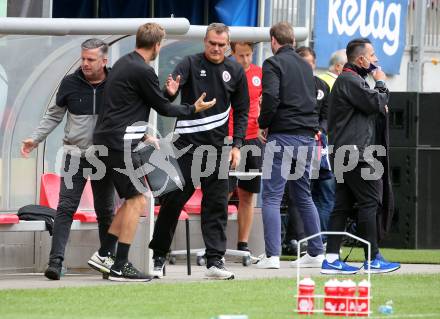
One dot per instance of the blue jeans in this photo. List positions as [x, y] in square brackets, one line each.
[323, 192]
[284, 149]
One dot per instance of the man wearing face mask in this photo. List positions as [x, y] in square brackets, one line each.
[357, 118]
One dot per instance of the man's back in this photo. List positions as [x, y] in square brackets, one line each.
[289, 94]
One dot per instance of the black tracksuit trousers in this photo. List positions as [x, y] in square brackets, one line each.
[214, 213]
[70, 197]
[368, 195]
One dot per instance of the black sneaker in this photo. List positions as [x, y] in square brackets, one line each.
[159, 266]
[53, 271]
[128, 273]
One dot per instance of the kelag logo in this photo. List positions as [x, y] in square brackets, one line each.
[383, 22]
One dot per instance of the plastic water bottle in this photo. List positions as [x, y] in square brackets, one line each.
[347, 303]
[306, 296]
[330, 302]
[386, 309]
[362, 301]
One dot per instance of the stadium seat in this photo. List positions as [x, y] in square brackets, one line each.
[9, 219]
[50, 192]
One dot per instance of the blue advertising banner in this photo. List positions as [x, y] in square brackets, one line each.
[382, 21]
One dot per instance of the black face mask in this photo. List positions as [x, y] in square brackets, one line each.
[370, 69]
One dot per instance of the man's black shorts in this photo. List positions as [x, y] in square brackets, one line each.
[252, 162]
[129, 183]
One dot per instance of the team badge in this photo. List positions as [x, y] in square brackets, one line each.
[256, 81]
[226, 76]
[202, 73]
[320, 95]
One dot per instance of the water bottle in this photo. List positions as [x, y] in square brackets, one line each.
[347, 303]
[330, 302]
[386, 309]
[306, 296]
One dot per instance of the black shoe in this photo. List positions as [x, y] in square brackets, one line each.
[128, 273]
[291, 248]
[53, 271]
[159, 266]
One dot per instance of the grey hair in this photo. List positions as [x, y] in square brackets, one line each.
[219, 28]
[95, 44]
[338, 57]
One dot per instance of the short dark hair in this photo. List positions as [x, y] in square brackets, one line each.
[218, 27]
[250, 44]
[283, 33]
[95, 43]
[148, 35]
[355, 48]
[304, 51]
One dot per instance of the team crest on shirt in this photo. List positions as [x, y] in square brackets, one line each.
[226, 76]
[256, 81]
[202, 73]
[320, 95]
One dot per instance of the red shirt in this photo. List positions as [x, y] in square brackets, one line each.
[253, 75]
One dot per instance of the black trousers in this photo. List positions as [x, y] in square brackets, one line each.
[103, 198]
[368, 195]
[214, 213]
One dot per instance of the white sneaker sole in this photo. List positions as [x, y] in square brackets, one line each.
[220, 278]
[122, 279]
[380, 271]
[98, 267]
[268, 267]
[336, 272]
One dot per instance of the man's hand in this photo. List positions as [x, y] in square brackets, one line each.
[171, 85]
[149, 139]
[27, 146]
[379, 75]
[234, 157]
[202, 105]
[262, 135]
[386, 108]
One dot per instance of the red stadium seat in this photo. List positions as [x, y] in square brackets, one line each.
[9, 219]
[50, 192]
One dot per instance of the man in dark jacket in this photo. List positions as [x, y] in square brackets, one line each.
[224, 80]
[80, 96]
[288, 114]
[131, 91]
[322, 184]
[357, 118]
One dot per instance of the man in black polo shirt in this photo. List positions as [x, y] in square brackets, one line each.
[224, 80]
[132, 89]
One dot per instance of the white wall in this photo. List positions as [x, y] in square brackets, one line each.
[431, 80]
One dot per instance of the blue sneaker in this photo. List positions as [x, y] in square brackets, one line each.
[337, 267]
[379, 265]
